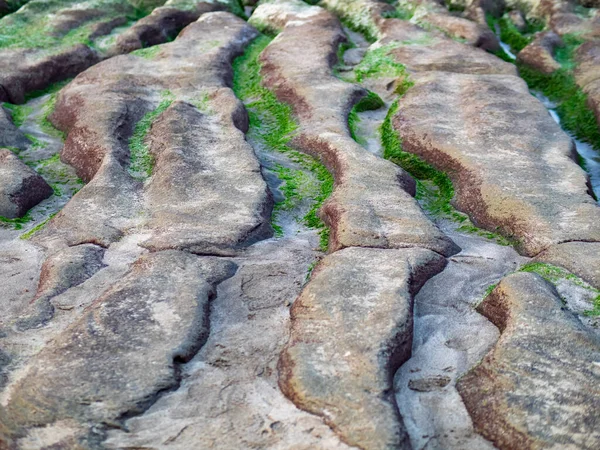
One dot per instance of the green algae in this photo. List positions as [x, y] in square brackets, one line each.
[560, 86]
[369, 102]
[434, 187]
[554, 274]
[141, 160]
[272, 125]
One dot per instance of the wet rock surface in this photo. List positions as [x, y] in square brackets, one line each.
[363, 211]
[340, 225]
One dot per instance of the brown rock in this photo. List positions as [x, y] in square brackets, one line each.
[539, 55]
[539, 387]
[517, 19]
[25, 71]
[417, 49]
[504, 154]
[372, 204]
[220, 201]
[587, 73]
[21, 188]
[478, 35]
[351, 329]
[162, 25]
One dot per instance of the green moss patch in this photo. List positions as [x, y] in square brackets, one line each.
[560, 86]
[554, 274]
[28, 235]
[141, 161]
[434, 188]
[19, 113]
[32, 26]
[369, 102]
[272, 125]
[378, 63]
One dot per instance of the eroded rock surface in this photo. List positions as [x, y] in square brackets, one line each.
[10, 136]
[163, 302]
[539, 55]
[172, 303]
[538, 387]
[21, 187]
[197, 139]
[544, 200]
[364, 210]
[351, 329]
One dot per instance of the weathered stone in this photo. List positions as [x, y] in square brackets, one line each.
[512, 166]
[124, 349]
[163, 24]
[417, 49]
[21, 188]
[10, 136]
[432, 13]
[539, 55]
[197, 212]
[449, 339]
[61, 271]
[539, 387]
[229, 397]
[220, 201]
[351, 329]
[39, 58]
[372, 204]
[581, 258]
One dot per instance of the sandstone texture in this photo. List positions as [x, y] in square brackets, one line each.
[351, 329]
[163, 300]
[539, 338]
[195, 146]
[432, 121]
[279, 224]
[539, 54]
[363, 211]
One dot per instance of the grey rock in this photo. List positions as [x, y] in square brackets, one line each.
[124, 349]
[21, 188]
[220, 202]
[61, 271]
[512, 166]
[372, 203]
[10, 136]
[581, 258]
